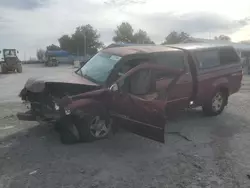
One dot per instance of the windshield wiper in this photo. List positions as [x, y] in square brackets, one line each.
[81, 73]
[77, 72]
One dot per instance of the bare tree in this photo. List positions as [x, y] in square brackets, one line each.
[40, 54]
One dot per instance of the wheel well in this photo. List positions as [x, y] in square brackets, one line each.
[225, 91]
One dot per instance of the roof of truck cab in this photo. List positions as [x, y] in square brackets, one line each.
[128, 50]
[198, 46]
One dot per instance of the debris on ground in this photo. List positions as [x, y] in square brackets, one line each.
[8, 117]
[33, 172]
[181, 135]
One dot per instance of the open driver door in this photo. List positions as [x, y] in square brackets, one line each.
[140, 111]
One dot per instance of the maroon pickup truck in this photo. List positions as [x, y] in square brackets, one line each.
[134, 87]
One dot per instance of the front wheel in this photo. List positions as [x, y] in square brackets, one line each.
[94, 127]
[216, 104]
[87, 129]
[19, 68]
[69, 134]
[4, 69]
[49, 64]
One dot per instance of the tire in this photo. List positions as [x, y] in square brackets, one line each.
[69, 134]
[73, 129]
[49, 64]
[3, 68]
[86, 129]
[67, 138]
[216, 104]
[19, 68]
[57, 126]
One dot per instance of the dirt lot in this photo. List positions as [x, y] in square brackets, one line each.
[199, 151]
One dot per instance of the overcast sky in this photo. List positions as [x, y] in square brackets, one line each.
[31, 24]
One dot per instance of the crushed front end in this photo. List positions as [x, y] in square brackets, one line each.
[46, 98]
[41, 107]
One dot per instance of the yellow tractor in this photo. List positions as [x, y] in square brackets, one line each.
[10, 61]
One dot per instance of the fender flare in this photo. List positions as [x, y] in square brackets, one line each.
[217, 85]
[221, 83]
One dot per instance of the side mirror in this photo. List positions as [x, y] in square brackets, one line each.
[114, 87]
[17, 51]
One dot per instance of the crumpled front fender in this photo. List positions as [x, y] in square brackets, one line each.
[35, 85]
[85, 107]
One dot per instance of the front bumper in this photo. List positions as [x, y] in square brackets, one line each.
[39, 114]
[28, 116]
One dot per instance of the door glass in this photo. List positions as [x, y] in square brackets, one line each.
[208, 59]
[228, 56]
[9, 53]
[173, 60]
[131, 64]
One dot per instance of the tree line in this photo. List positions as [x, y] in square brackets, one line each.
[86, 39]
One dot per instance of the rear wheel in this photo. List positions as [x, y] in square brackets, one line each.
[49, 64]
[4, 69]
[216, 104]
[19, 68]
[54, 63]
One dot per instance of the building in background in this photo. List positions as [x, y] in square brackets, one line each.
[64, 57]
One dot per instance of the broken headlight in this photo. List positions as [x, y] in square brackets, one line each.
[67, 111]
[56, 106]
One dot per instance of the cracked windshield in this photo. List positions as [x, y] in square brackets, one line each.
[124, 94]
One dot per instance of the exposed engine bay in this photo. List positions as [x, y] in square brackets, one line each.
[46, 97]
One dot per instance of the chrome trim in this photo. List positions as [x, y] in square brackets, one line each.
[177, 99]
[127, 118]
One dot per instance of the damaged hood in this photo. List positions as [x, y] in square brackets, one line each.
[37, 84]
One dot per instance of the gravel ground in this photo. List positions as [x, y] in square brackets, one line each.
[200, 151]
